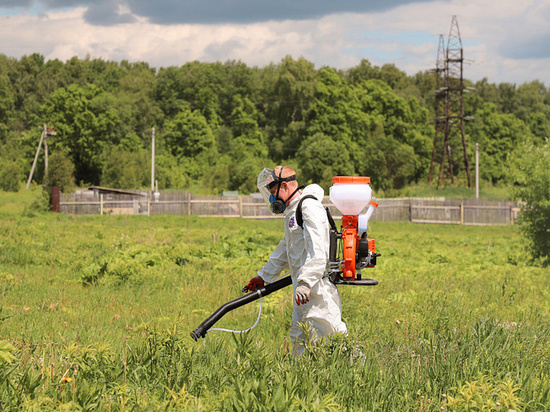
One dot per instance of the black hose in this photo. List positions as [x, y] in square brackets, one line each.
[201, 331]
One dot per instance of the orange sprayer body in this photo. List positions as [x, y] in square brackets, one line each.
[349, 246]
[350, 195]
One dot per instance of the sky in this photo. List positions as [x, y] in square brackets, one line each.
[503, 40]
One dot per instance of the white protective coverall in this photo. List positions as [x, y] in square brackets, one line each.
[306, 252]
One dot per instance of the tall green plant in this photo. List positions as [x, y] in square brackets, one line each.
[10, 177]
[530, 175]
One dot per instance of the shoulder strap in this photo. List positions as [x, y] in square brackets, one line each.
[299, 217]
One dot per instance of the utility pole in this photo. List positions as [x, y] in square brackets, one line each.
[477, 170]
[450, 106]
[153, 160]
[46, 131]
[45, 156]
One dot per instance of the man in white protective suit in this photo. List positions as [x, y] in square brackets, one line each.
[305, 251]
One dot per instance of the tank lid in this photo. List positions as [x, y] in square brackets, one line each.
[351, 179]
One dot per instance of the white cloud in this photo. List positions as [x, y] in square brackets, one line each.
[495, 34]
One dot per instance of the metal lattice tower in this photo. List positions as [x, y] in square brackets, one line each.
[449, 106]
[440, 93]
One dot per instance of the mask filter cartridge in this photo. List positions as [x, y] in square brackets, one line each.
[277, 205]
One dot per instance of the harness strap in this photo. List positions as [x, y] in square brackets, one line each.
[299, 217]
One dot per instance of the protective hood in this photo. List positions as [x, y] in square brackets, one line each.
[315, 190]
[312, 189]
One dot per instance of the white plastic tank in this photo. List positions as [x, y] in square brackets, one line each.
[350, 194]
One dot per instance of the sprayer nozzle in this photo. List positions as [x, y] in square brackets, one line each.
[196, 335]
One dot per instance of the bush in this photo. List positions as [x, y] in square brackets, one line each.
[530, 175]
[40, 204]
[10, 177]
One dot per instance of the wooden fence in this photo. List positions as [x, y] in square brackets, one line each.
[417, 210]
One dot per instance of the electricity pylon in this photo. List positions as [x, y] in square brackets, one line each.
[449, 98]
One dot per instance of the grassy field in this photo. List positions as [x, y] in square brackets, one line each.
[95, 314]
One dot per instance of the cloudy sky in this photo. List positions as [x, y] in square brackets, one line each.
[503, 40]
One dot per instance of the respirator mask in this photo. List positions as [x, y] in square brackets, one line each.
[267, 180]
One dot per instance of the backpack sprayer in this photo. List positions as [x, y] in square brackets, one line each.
[350, 249]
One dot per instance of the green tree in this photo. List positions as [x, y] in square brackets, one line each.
[530, 99]
[320, 158]
[393, 77]
[124, 169]
[206, 87]
[171, 174]
[219, 179]
[539, 124]
[248, 149]
[363, 71]
[529, 174]
[86, 124]
[293, 90]
[336, 112]
[380, 119]
[497, 134]
[26, 99]
[294, 85]
[385, 135]
[244, 116]
[248, 154]
[133, 100]
[60, 171]
[508, 102]
[6, 102]
[425, 82]
[188, 134]
[487, 92]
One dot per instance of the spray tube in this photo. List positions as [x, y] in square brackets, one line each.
[203, 328]
[363, 220]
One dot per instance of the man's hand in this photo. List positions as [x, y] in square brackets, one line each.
[302, 294]
[255, 283]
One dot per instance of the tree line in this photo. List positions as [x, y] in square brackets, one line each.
[218, 124]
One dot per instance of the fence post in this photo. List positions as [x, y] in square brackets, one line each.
[55, 199]
[241, 206]
[511, 213]
[101, 204]
[410, 210]
[461, 213]
[188, 204]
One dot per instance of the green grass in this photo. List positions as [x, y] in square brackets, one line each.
[13, 204]
[95, 314]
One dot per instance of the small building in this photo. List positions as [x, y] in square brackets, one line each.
[120, 202]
